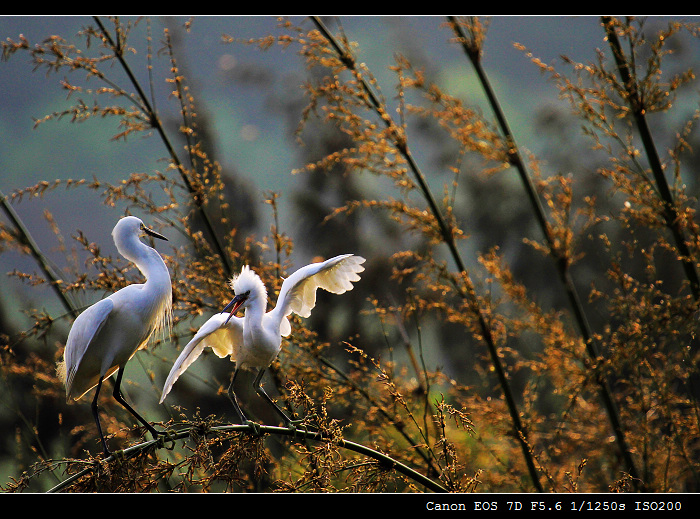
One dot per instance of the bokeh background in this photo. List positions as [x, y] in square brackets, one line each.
[249, 104]
[250, 100]
[244, 94]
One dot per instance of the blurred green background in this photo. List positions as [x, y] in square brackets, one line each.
[250, 101]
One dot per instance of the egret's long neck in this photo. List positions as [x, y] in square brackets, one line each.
[145, 258]
[157, 290]
[255, 309]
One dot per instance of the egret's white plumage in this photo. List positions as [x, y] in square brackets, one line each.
[105, 336]
[254, 340]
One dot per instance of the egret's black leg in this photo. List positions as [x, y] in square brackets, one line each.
[117, 393]
[234, 400]
[96, 415]
[237, 407]
[261, 391]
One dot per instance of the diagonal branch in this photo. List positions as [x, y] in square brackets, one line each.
[473, 51]
[448, 238]
[26, 237]
[383, 459]
[670, 213]
[157, 125]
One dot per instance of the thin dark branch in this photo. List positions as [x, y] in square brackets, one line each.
[559, 256]
[448, 238]
[26, 237]
[386, 461]
[398, 425]
[157, 125]
[670, 213]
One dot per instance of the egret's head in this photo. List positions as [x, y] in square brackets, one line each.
[133, 226]
[247, 287]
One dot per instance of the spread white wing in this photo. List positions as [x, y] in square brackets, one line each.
[216, 334]
[298, 295]
[298, 292]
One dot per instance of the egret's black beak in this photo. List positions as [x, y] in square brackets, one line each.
[234, 305]
[153, 233]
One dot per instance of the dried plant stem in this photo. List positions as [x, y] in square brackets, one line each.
[448, 239]
[473, 51]
[386, 461]
[670, 214]
[26, 237]
[398, 425]
[156, 124]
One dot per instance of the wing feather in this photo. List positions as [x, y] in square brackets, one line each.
[85, 328]
[223, 338]
[298, 292]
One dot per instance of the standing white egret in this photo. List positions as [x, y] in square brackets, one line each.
[106, 335]
[254, 340]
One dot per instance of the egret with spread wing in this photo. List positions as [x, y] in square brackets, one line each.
[254, 340]
[105, 336]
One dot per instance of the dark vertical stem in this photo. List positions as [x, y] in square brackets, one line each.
[448, 239]
[474, 54]
[670, 213]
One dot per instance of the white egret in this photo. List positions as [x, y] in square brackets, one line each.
[254, 340]
[106, 335]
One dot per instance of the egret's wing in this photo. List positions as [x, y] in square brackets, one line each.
[298, 292]
[85, 328]
[220, 336]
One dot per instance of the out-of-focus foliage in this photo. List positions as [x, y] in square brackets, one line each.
[516, 329]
